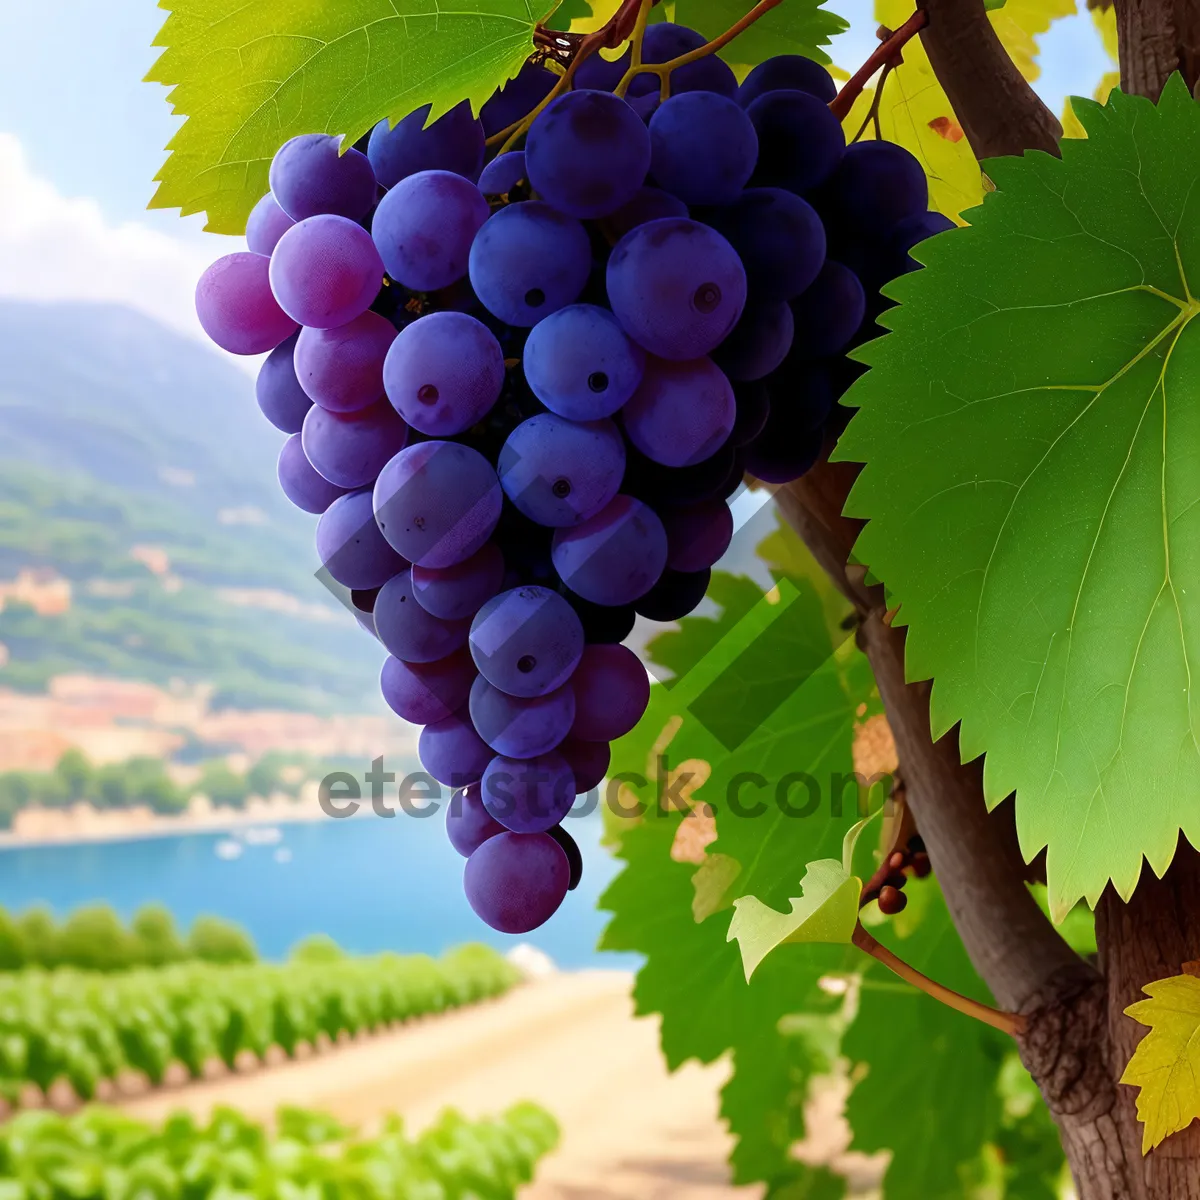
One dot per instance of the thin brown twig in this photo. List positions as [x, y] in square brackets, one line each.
[885, 53]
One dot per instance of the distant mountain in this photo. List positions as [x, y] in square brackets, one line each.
[135, 464]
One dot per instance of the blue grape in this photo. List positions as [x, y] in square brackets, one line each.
[601, 74]
[528, 795]
[779, 239]
[682, 412]
[580, 364]
[454, 142]
[615, 556]
[647, 204]
[301, 482]
[800, 142]
[310, 176]
[559, 472]
[529, 261]
[325, 271]
[587, 153]
[283, 401]
[676, 286]
[266, 224]
[702, 148]
[350, 546]
[341, 369]
[612, 691]
[237, 308]
[828, 312]
[589, 762]
[877, 187]
[350, 449]
[645, 106]
[787, 72]
[516, 882]
[427, 692]
[424, 228]
[518, 98]
[452, 752]
[916, 229]
[665, 41]
[675, 595]
[521, 727]
[468, 823]
[456, 593]
[758, 343]
[437, 502]
[408, 631]
[697, 535]
[444, 372]
[503, 173]
[526, 641]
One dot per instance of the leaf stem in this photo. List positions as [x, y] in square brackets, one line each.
[886, 52]
[1006, 1022]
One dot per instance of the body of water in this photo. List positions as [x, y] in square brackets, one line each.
[371, 884]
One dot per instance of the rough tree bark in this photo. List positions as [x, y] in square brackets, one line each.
[1077, 1040]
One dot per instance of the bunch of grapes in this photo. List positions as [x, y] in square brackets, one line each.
[520, 395]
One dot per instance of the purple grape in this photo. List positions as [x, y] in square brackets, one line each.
[682, 413]
[521, 727]
[758, 343]
[266, 224]
[341, 369]
[647, 204]
[559, 472]
[516, 882]
[452, 752]
[645, 106]
[702, 148]
[454, 142]
[802, 397]
[779, 239]
[601, 74]
[916, 229]
[438, 502]
[787, 72]
[529, 261]
[236, 306]
[310, 177]
[325, 271]
[675, 595]
[457, 593]
[283, 401]
[580, 364]
[424, 228]
[587, 153]
[518, 98]
[528, 795]
[800, 142]
[468, 823]
[612, 690]
[676, 286]
[753, 408]
[790, 442]
[877, 187]
[828, 312]
[444, 372]
[503, 173]
[350, 546]
[427, 692]
[615, 556]
[589, 762]
[301, 482]
[665, 41]
[350, 449]
[698, 535]
[526, 641]
[574, 856]
[364, 599]
[604, 624]
[408, 631]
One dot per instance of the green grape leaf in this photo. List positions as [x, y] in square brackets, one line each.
[250, 76]
[1030, 433]
[797, 27]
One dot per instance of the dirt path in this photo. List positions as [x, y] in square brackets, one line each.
[570, 1042]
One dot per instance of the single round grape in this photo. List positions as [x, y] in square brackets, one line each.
[236, 307]
[779, 239]
[408, 631]
[528, 795]
[526, 641]
[676, 286]
[301, 482]
[775, 461]
[341, 369]
[587, 153]
[427, 692]
[444, 372]
[800, 142]
[571, 849]
[580, 364]
[283, 401]
[516, 882]
[828, 312]
[603, 624]
[310, 176]
[521, 727]
[697, 535]
[758, 343]
[647, 204]
[787, 72]
[615, 556]
[675, 595]
[529, 261]
[753, 408]
[589, 762]
[518, 98]
[559, 472]
[645, 106]
[468, 823]
[600, 74]
[266, 224]
[877, 187]
[454, 142]
[325, 271]
[682, 412]
[350, 546]
[456, 593]
[452, 752]
[665, 41]
[503, 173]
[437, 502]
[665, 487]
[350, 449]
[424, 227]
[702, 148]
[612, 690]
[916, 229]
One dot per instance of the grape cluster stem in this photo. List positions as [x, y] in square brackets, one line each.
[885, 55]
